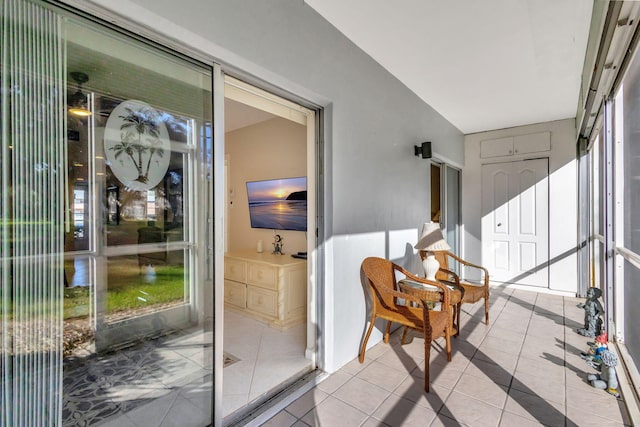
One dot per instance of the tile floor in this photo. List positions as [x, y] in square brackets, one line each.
[152, 383]
[267, 357]
[524, 369]
[159, 382]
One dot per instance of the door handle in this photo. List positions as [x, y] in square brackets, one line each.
[499, 224]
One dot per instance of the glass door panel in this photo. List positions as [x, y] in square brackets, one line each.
[452, 222]
[135, 268]
[105, 150]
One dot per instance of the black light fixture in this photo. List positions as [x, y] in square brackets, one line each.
[423, 150]
[78, 101]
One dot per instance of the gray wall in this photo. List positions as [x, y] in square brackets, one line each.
[376, 190]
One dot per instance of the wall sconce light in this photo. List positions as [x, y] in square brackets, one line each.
[423, 150]
[78, 101]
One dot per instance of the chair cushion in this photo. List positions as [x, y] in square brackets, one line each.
[472, 292]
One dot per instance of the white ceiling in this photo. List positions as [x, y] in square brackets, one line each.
[238, 115]
[482, 64]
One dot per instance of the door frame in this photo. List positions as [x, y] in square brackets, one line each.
[545, 263]
[312, 119]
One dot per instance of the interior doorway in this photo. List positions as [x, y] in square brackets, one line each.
[269, 227]
[445, 202]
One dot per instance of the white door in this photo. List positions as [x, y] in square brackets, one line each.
[515, 221]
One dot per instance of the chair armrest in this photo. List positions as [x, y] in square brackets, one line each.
[446, 292]
[469, 264]
[397, 294]
[454, 277]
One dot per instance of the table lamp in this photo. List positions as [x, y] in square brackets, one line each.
[431, 239]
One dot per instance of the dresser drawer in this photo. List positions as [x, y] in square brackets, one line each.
[262, 301]
[235, 269]
[262, 275]
[235, 293]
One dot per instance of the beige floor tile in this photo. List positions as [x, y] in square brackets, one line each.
[500, 344]
[334, 382]
[372, 422]
[361, 395]
[334, 412]
[268, 375]
[470, 411]
[499, 357]
[306, 402]
[412, 389]
[490, 371]
[354, 366]
[397, 358]
[535, 408]
[582, 418]
[382, 375]
[506, 334]
[397, 411]
[533, 366]
[473, 337]
[376, 351]
[603, 404]
[442, 421]
[482, 389]
[459, 360]
[233, 402]
[152, 413]
[548, 386]
[183, 412]
[536, 347]
[445, 377]
[578, 380]
[281, 419]
[413, 349]
[510, 420]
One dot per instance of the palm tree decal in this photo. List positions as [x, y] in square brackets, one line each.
[137, 123]
[125, 147]
[154, 148]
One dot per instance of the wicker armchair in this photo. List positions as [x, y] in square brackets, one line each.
[388, 303]
[472, 292]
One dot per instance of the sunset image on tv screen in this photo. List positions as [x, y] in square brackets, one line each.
[279, 204]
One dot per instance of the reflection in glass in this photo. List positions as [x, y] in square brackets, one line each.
[145, 283]
[78, 314]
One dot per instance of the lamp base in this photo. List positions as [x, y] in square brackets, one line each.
[431, 266]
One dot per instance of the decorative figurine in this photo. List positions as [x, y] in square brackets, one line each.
[592, 312]
[594, 355]
[277, 244]
[606, 380]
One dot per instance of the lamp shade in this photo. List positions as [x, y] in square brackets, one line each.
[431, 238]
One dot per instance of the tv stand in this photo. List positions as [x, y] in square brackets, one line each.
[266, 286]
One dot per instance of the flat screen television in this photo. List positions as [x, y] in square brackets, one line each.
[278, 204]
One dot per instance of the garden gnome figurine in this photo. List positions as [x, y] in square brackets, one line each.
[606, 380]
[592, 312]
[594, 355]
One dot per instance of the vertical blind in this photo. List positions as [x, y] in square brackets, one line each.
[32, 176]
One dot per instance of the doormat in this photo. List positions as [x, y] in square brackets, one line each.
[228, 359]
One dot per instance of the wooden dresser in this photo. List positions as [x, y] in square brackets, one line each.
[266, 286]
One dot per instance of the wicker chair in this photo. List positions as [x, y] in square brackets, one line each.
[379, 276]
[472, 292]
